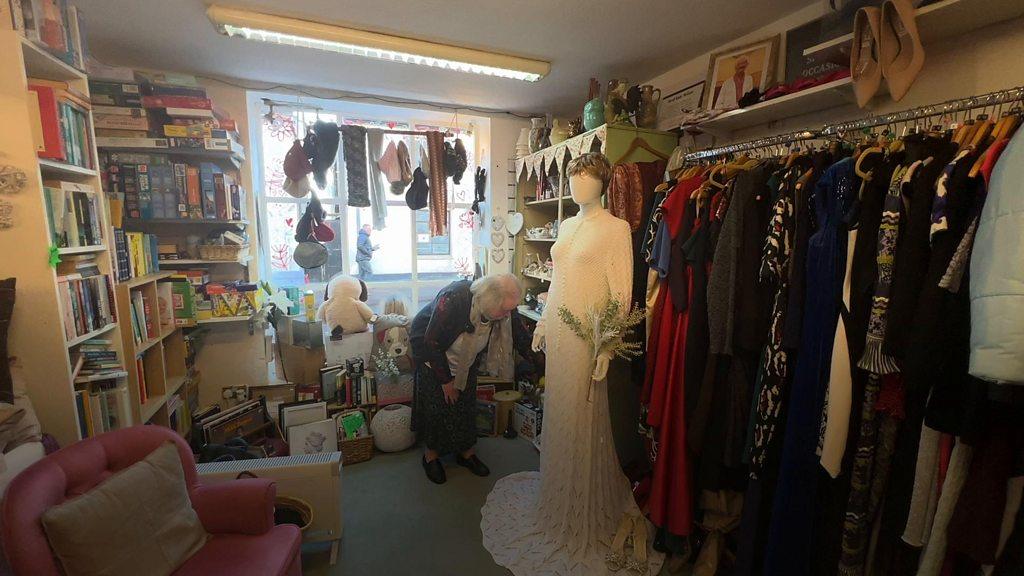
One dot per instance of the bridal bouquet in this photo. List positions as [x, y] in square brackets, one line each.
[604, 327]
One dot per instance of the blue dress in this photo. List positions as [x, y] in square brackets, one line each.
[791, 534]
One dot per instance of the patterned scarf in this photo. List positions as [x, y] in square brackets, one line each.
[438, 185]
[874, 359]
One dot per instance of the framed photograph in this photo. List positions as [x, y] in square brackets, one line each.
[736, 71]
[313, 437]
[676, 105]
[302, 412]
[818, 48]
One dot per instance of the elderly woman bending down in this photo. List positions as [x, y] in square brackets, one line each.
[468, 327]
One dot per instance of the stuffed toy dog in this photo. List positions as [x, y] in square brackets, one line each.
[391, 338]
[344, 308]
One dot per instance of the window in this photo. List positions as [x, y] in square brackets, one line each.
[406, 261]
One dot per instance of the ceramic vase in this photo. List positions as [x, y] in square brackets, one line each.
[523, 143]
[537, 133]
[390, 428]
[559, 131]
[593, 114]
[650, 97]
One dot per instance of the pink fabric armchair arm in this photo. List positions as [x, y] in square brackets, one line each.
[239, 515]
[243, 506]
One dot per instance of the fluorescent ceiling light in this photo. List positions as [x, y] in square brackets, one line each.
[306, 34]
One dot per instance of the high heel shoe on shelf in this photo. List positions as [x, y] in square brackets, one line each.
[617, 558]
[865, 68]
[902, 55]
[638, 563]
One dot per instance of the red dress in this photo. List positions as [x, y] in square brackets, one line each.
[670, 502]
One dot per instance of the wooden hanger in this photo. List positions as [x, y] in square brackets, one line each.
[640, 143]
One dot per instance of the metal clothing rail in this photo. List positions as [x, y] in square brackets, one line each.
[996, 98]
[765, 142]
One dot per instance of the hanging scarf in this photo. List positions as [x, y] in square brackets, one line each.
[874, 359]
[438, 185]
[353, 144]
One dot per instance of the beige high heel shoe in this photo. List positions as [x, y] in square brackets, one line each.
[637, 564]
[617, 558]
[865, 68]
[902, 55]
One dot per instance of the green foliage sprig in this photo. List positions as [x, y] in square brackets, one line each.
[604, 327]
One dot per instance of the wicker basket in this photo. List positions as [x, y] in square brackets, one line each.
[356, 450]
[296, 505]
[223, 252]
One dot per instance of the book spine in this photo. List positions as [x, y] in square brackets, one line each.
[220, 196]
[145, 191]
[169, 101]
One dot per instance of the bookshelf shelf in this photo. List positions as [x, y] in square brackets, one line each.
[174, 383]
[540, 239]
[146, 279]
[41, 64]
[223, 320]
[549, 201]
[198, 154]
[91, 335]
[153, 403]
[527, 313]
[184, 262]
[142, 347]
[537, 277]
[54, 168]
[100, 377]
[82, 249]
[138, 222]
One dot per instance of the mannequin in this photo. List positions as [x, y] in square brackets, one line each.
[575, 515]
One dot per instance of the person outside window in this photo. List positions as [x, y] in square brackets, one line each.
[364, 252]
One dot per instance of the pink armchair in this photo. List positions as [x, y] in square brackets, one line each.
[239, 515]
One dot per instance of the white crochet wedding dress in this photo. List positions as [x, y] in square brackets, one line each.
[561, 521]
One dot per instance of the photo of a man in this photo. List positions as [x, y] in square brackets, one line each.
[733, 73]
[735, 86]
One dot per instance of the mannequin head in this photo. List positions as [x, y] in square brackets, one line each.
[588, 177]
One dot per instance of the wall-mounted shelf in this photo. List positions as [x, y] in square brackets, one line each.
[194, 221]
[548, 201]
[537, 277]
[189, 262]
[140, 280]
[223, 320]
[540, 239]
[936, 22]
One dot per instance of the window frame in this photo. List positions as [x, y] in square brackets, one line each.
[336, 205]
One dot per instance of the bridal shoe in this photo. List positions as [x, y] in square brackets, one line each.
[616, 559]
[638, 563]
[865, 68]
[902, 54]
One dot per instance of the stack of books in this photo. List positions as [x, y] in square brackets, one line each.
[95, 361]
[86, 298]
[102, 407]
[154, 186]
[135, 254]
[61, 128]
[54, 26]
[170, 111]
[73, 213]
[145, 322]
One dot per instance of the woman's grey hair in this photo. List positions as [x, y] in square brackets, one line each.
[490, 291]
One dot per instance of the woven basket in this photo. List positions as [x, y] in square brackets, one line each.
[297, 505]
[223, 252]
[356, 450]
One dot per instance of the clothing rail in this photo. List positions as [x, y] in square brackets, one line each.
[300, 106]
[996, 98]
[777, 140]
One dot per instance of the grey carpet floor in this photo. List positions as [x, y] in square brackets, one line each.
[398, 523]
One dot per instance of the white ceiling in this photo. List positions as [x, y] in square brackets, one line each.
[637, 39]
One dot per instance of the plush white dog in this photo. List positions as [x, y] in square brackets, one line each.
[345, 310]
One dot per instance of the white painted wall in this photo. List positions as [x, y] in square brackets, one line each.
[985, 61]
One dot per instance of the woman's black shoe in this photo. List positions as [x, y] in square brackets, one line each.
[434, 470]
[474, 464]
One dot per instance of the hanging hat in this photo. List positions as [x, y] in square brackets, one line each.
[323, 232]
[454, 162]
[325, 150]
[311, 218]
[296, 164]
[419, 191]
[310, 255]
[297, 188]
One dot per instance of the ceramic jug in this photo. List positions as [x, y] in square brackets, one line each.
[559, 131]
[650, 97]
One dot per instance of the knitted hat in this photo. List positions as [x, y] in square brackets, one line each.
[419, 192]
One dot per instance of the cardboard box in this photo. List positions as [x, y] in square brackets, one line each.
[301, 365]
[528, 418]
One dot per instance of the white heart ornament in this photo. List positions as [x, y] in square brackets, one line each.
[515, 223]
[497, 239]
